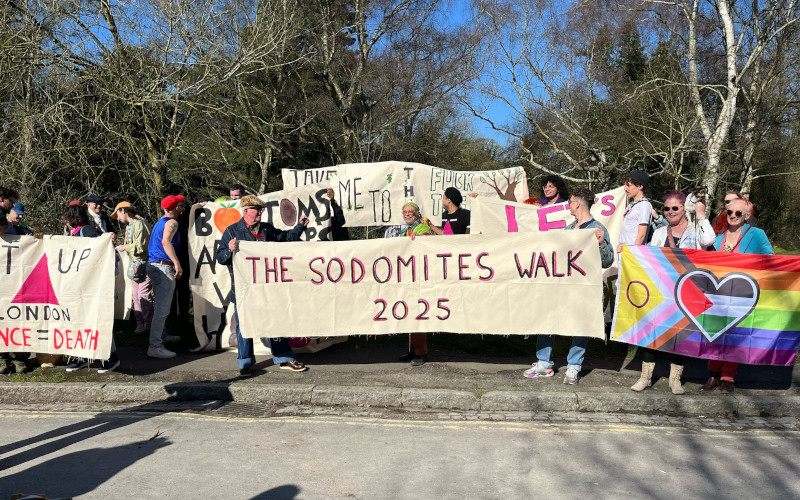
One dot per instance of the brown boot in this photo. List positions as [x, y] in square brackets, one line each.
[726, 387]
[645, 380]
[675, 372]
[712, 383]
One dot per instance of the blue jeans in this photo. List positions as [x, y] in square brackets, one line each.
[281, 350]
[162, 279]
[544, 348]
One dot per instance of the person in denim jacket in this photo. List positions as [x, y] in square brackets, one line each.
[250, 228]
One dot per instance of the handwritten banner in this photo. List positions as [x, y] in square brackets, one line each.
[210, 282]
[492, 215]
[57, 295]
[500, 284]
[373, 194]
[733, 307]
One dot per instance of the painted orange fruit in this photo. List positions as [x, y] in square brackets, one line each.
[225, 216]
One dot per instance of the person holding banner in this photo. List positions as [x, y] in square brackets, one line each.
[338, 231]
[77, 221]
[678, 233]
[250, 228]
[163, 268]
[555, 191]
[236, 192]
[739, 237]
[455, 220]
[7, 199]
[16, 226]
[414, 226]
[638, 213]
[94, 208]
[137, 239]
[579, 204]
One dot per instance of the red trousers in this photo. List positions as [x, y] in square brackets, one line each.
[726, 368]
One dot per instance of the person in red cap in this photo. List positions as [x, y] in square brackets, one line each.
[163, 268]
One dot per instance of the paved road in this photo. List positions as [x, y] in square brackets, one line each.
[241, 451]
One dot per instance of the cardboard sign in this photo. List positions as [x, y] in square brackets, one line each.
[57, 295]
[530, 283]
[373, 194]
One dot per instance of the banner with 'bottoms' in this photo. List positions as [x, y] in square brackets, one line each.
[525, 283]
[57, 295]
[210, 282]
[743, 308]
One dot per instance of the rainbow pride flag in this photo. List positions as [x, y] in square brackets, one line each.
[713, 305]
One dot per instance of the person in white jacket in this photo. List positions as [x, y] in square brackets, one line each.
[677, 232]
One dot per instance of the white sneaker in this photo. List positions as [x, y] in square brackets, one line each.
[159, 352]
[572, 377]
[537, 370]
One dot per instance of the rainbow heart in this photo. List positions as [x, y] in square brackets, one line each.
[715, 306]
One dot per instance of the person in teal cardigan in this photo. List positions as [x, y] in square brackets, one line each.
[740, 237]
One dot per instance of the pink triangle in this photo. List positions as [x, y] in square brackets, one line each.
[447, 229]
[37, 289]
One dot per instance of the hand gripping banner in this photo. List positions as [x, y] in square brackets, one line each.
[743, 308]
[526, 283]
[57, 295]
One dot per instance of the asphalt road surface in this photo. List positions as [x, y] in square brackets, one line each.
[240, 452]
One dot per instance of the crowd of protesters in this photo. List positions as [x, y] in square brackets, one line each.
[157, 267]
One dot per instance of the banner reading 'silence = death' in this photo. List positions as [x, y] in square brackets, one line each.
[373, 194]
[527, 283]
[210, 282]
[57, 295]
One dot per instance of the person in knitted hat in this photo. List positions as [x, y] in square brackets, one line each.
[163, 268]
[455, 220]
[250, 228]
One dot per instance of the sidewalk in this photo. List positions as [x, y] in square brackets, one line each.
[366, 373]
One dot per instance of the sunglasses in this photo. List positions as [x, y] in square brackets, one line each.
[674, 209]
[738, 213]
[257, 209]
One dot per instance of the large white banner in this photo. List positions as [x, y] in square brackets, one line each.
[373, 194]
[57, 295]
[526, 283]
[493, 216]
[210, 282]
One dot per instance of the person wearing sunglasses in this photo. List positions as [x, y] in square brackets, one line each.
[677, 233]
[250, 228]
[739, 237]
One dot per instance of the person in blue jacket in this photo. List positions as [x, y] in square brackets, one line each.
[740, 237]
[250, 228]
